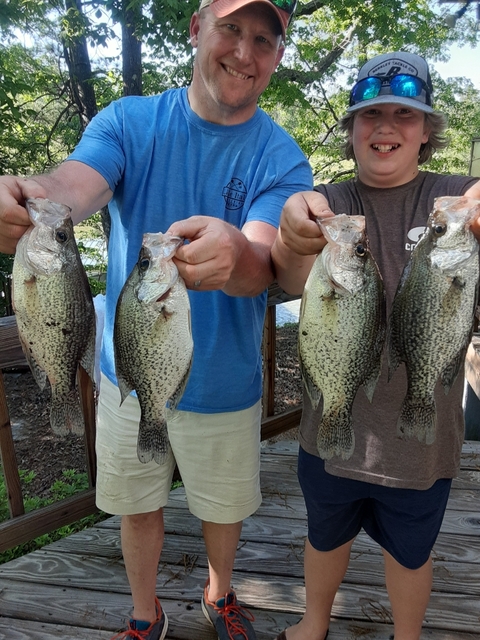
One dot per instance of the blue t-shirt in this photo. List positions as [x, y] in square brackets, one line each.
[164, 163]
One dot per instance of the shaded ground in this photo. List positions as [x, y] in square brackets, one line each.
[39, 450]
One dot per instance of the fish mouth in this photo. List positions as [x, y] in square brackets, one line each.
[164, 295]
[385, 148]
[235, 74]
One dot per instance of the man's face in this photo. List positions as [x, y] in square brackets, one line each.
[386, 140]
[235, 59]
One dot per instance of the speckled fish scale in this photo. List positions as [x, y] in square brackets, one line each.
[433, 311]
[341, 330]
[54, 310]
[153, 340]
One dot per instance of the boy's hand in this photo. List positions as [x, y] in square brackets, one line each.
[474, 192]
[299, 227]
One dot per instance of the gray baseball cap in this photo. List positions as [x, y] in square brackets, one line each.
[393, 78]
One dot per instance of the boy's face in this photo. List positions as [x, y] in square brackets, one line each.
[386, 140]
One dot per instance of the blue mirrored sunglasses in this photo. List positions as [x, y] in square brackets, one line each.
[288, 6]
[403, 85]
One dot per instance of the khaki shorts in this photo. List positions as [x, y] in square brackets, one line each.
[218, 456]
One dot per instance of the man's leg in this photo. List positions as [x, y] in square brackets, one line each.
[409, 592]
[136, 491]
[142, 542]
[324, 572]
[218, 456]
[221, 542]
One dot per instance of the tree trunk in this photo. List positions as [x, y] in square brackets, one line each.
[79, 67]
[131, 48]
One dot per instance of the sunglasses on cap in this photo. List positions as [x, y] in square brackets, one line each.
[401, 85]
[288, 6]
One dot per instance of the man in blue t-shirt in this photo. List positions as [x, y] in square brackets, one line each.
[204, 163]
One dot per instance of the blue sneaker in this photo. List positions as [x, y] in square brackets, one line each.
[230, 620]
[142, 630]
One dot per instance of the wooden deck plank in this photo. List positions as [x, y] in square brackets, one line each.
[274, 594]
[77, 588]
[106, 543]
[56, 567]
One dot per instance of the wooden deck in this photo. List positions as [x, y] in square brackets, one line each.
[76, 589]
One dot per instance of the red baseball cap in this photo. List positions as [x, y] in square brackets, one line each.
[284, 9]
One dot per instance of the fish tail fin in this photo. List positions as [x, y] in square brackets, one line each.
[66, 414]
[335, 435]
[152, 443]
[417, 419]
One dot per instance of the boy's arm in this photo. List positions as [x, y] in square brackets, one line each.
[474, 192]
[299, 239]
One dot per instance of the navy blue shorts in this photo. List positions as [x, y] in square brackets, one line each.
[404, 522]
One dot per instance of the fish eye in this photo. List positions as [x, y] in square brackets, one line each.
[439, 229]
[61, 236]
[143, 264]
[360, 250]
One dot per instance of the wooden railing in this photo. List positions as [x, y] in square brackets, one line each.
[22, 527]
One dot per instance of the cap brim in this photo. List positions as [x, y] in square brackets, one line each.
[223, 8]
[390, 99]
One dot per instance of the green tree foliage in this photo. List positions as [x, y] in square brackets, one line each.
[40, 120]
[460, 101]
[328, 43]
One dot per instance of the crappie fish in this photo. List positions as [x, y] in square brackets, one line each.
[342, 330]
[54, 310]
[153, 340]
[433, 312]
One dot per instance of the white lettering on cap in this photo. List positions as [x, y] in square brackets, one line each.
[394, 65]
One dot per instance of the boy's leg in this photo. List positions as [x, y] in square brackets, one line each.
[409, 593]
[334, 510]
[324, 572]
[406, 523]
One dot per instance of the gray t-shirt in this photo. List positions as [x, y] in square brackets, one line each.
[395, 219]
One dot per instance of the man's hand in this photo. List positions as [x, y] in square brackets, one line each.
[220, 256]
[14, 219]
[210, 255]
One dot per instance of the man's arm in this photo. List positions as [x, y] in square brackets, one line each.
[73, 183]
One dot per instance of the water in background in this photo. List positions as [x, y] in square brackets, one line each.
[287, 312]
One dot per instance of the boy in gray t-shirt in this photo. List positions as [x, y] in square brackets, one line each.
[395, 489]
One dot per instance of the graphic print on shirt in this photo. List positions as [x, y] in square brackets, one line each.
[235, 194]
[414, 235]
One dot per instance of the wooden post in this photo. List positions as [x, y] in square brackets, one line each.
[87, 395]
[269, 343]
[9, 461]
